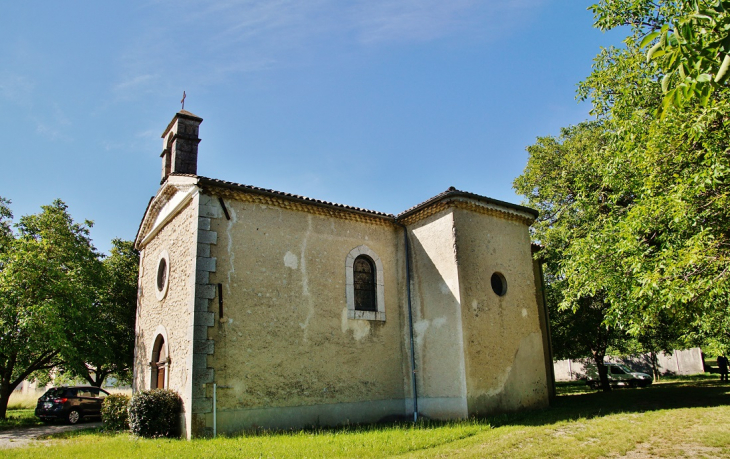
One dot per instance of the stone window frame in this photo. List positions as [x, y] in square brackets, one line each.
[352, 313]
[160, 294]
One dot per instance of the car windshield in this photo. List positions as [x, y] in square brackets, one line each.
[625, 368]
[52, 393]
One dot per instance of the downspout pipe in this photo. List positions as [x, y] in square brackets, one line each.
[549, 331]
[410, 323]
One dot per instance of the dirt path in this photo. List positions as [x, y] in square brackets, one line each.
[17, 438]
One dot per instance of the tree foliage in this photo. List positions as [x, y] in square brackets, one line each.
[689, 39]
[634, 205]
[104, 343]
[564, 180]
[62, 306]
[44, 273]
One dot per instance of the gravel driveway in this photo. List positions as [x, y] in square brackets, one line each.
[17, 438]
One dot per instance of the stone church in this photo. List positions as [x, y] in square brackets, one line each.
[300, 312]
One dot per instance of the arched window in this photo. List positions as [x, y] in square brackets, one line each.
[159, 364]
[364, 283]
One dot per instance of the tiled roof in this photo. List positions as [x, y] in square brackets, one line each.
[188, 114]
[281, 194]
[450, 193]
[453, 192]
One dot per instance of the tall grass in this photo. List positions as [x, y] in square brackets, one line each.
[27, 401]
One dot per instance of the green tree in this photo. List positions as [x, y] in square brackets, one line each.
[671, 242]
[104, 344]
[45, 271]
[565, 180]
[689, 39]
[635, 207]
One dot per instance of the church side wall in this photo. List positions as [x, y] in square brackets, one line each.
[437, 318]
[170, 316]
[286, 353]
[505, 364]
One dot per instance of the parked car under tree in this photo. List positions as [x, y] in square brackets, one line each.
[618, 375]
[70, 403]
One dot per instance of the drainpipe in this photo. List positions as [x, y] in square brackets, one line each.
[549, 333]
[215, 411]
[410, 325]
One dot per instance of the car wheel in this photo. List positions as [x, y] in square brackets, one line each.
[632, 383]
[73, 417]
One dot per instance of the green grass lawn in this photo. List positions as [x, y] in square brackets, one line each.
[673, 418]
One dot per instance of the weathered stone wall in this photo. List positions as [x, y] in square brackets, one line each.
[286, 353]
[503, 341]
[172, 315]
[437, 318]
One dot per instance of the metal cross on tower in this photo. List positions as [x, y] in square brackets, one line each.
[183, 101]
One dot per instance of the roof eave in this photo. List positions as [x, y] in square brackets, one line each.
[204, 181]
[464, 194]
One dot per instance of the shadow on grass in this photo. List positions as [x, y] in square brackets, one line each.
[577, 403]
[19, 418]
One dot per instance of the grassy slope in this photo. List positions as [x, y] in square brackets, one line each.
[674, 418]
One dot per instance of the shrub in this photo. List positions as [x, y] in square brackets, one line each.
[155, 413]
[114, 414]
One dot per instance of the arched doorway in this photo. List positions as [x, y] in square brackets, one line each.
[159, 364]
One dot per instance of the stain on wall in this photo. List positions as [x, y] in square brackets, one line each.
[504, 357]
[285, 339]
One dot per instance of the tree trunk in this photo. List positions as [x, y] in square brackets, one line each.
[602, 372]
[8, 384]
[654, 366]
[5, 392]
[99, 377]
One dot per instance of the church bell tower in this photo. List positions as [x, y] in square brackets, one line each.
[180, 143]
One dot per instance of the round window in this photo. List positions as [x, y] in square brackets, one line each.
[163, 275]
[499, 284]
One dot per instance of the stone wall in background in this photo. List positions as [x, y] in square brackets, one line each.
[684, 362]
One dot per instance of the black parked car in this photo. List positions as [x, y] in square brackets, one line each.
[70, 403]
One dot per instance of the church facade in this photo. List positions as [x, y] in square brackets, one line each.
[300, 312]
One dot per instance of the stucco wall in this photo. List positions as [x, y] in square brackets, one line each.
[285, 342]
[504, 358]
[441, 377]
[170, 316]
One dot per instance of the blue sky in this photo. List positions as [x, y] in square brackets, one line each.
[372, 103]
